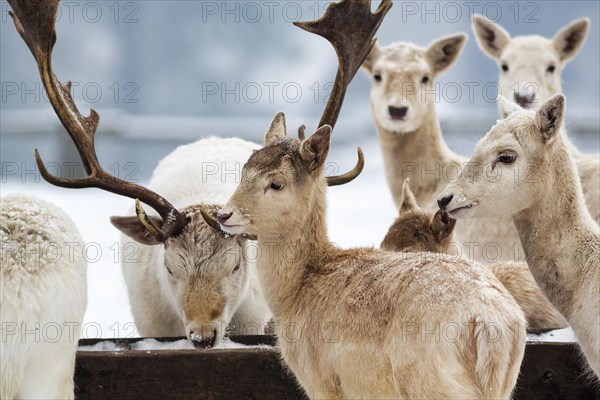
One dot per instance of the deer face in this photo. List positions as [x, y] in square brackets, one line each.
[205, 275]
[530, 66]
[278, 183]
[402, 79]
[510, 164]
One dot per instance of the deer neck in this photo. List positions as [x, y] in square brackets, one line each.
[420, 155]
[550, 230]
[287, 256]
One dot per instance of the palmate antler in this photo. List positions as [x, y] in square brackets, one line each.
[350, 27]
[35, 21]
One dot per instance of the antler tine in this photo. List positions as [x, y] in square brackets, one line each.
[350, 27]
[35, 22]
[350, 175]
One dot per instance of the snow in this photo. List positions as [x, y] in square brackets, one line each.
[557, 335]
[359, 214]
[154, 345]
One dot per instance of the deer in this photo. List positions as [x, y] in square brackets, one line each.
[411, 141]
[536, 183]
[417, 230]
[342, 316]
[530, 72]
[43, 299]
[188, 279]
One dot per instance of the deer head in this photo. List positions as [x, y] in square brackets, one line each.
[403, 78]
[511, 164]
[530, 66]
[281, 183]
[417, 230]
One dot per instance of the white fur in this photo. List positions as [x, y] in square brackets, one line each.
[44, 286]
[541, 190]
[206, 171]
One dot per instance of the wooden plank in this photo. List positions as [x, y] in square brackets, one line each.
[549, 371]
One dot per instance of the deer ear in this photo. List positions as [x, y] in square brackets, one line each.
[316, 148]
[507, 107]
[569, 40]
[443, 52]
[371, 57]
[442, 225]
[277, 130]
[133, 228]
[408, 202]
[549, 117]
[492, 38]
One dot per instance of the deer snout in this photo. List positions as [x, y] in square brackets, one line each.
[397, 112]
[443, 201]
[524, 99]
[223, 215]
[203, 340]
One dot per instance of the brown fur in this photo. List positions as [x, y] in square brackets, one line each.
[364, 323]
[416, 230]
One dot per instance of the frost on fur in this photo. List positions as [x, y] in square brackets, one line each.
[44, 297]
[200, 284]
[364, 323]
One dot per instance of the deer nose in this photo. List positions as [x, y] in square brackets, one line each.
[524, 100]
[223, 217]
[397, 112]
[444, 201]
[203, 341]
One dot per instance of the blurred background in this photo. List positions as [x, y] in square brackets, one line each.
[165, 73]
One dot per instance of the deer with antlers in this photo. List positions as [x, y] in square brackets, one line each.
[190, 278]
[362, 323]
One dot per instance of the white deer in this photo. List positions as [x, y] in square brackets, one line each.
[199, 283]
[364, 323]
[523, 167]
[530, 72]
[43, 299]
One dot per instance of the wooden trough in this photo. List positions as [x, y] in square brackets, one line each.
[550, 371]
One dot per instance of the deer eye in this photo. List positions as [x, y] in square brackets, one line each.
[169, 271]
[276, 186]
[377, 77]
[506, 158]
[236, 269]
[425, 80]
[551, 69]
[505, 67]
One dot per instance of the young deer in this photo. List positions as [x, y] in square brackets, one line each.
[364, 323]
[523, 167]
[530, 73]
[417, 230]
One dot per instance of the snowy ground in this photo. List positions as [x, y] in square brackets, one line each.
[359, 215]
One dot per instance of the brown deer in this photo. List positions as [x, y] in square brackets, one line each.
[417, 230]
[363, 323]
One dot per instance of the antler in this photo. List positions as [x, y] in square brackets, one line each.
[350, 27]
[35, 22]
